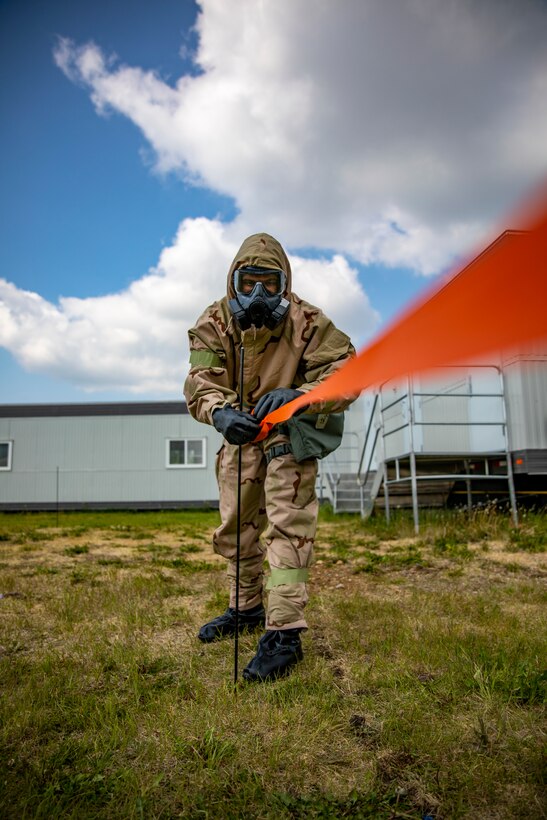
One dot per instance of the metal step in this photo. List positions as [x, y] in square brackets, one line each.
[348, 494]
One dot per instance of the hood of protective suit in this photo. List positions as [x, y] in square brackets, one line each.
[262, 251]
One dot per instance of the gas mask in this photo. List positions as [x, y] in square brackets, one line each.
[259, 297]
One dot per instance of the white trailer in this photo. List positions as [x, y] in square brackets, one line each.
[145, 455]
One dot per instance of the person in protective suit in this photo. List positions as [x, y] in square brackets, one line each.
[290, 346]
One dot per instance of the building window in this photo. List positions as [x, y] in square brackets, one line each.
[186, 452]
[5, 454]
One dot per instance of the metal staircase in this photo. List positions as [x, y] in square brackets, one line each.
[348, 494]
[337, 478]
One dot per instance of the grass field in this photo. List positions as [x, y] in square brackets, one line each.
[421, 693]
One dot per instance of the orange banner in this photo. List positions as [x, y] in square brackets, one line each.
[495, 303]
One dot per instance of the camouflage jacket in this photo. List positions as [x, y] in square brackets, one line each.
[300, 353]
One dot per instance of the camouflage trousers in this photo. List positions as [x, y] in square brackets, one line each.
[278, 520]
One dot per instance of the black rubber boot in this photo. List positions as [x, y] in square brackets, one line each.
[278, 651]
[225, 625]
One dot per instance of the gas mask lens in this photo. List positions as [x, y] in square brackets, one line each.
[245, 279]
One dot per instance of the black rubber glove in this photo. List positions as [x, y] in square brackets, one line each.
[236, 426]
[275, 399]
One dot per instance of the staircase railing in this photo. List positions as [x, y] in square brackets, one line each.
[367, 436]
[333, 478]
[472, 453]
[362, 479]
[337, 466]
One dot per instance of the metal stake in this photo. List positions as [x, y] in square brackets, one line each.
[238, 534]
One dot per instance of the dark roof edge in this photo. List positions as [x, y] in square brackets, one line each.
[136, 408]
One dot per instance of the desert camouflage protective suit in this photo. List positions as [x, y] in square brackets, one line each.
[278, 501]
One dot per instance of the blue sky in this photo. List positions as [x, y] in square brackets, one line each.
[58, 157]
[142, 142]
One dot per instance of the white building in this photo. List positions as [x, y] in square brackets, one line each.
[126, 455]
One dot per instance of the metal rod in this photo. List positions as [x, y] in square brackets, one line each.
[57, 494]
[468, 487]
[238, 535]
[510, 476]
[414, 482]
[394, 402]
[363, 480]
[460, 395]
[384, 459]
[445, 424]
[459, 423]
[395, 429]
[442, 455]
[449, 477]
[367, 434]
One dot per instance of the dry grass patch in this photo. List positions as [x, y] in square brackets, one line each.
[421, 692]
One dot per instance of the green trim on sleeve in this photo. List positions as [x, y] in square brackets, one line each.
[205, 358]
[287, 576]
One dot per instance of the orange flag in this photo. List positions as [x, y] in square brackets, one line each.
[496, 302]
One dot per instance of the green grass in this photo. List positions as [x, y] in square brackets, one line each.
[421, 693]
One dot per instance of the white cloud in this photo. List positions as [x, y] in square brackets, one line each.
[395, 132]
[136, 340]
[390, 132]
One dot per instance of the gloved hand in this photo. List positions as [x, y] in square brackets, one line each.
[275, 399]
[236, 426]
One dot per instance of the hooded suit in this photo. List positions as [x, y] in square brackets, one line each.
[278, 502]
